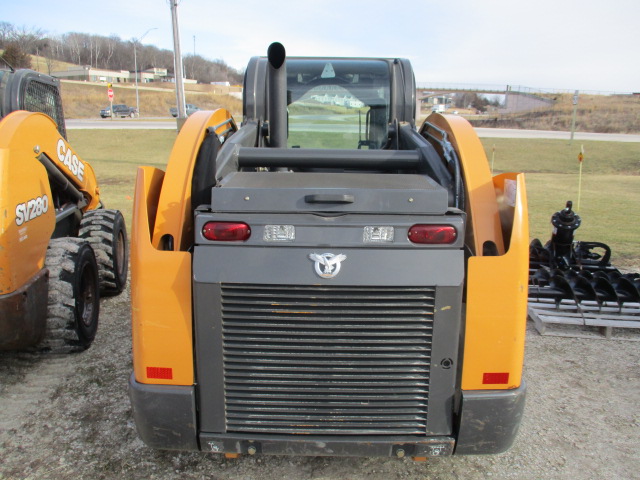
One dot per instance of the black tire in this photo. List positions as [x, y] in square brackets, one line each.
[74, 295]
[106, 232]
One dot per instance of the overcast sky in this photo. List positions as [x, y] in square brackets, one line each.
[587, 45]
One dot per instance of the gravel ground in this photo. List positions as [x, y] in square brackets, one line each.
[69, 417]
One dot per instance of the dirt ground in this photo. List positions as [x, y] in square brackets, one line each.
[69, 417]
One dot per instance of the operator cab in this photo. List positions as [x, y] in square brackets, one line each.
[336, 103]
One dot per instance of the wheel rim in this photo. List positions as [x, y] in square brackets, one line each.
[86, 297]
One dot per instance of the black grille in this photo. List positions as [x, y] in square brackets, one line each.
[45, 98]
[327, 360]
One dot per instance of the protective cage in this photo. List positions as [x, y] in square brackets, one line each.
[31, 91]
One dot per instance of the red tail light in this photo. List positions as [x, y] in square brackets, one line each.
[433, 234]
[226, 231]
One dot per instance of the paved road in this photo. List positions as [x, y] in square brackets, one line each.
[515, 133]
[122, 123]
[170, 124]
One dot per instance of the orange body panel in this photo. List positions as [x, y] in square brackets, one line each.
[497, 286]
[160, 294]
[24, 233]
[161, 279]
[497, 289]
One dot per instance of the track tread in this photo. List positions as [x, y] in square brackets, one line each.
[99, 228]
[61, 332]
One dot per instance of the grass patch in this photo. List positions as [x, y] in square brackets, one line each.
[557, 156]
[115, 156]
[610, 186]
[608, 208]
[304, 139]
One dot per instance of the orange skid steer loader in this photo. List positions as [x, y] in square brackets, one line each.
[59, 248]
[328, 279]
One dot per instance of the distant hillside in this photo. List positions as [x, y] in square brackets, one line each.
[84, 100]
[595, 113]
[45, 65]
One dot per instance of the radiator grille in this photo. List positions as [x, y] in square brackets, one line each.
[326, 360]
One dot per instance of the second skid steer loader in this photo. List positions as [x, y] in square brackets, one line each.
[59, 248]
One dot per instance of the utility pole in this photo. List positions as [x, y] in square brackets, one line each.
[177, 64]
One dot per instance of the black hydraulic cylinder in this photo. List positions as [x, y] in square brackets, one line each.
[62, 183]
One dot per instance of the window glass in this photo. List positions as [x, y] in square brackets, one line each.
[337, 103]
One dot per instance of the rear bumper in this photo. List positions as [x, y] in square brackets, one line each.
[489, 420]
[165, 417]
[23, 314]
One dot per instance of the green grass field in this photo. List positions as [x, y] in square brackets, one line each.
[610, 197]
[609, 204]
[116, 154]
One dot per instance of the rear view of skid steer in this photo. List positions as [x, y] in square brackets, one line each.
[59, 248]
[328, 279]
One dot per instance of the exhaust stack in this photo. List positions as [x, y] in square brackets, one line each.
[277, 92]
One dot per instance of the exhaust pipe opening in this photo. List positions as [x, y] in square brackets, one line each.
[276, 54]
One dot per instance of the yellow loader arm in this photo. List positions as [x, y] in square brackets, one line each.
[29, 135]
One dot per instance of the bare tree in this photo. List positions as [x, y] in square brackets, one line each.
[74, 46]
[6, 33]
[50, 54]
[110, 43]
[97, 48]
[27, 38]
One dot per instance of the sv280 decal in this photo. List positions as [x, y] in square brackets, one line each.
[31, 209]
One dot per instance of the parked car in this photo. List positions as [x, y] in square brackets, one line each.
[119, 110]
[190, 108]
